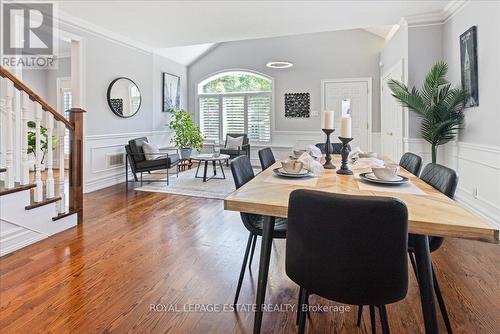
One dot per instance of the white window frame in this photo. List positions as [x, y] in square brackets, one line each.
[214, 76]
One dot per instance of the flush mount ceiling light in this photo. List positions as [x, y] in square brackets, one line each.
[279, 64]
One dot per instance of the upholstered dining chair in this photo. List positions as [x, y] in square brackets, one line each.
[266, 158]
[335, 148]
[355, 254]
[242, 171]
[445, 180]
[411, 162]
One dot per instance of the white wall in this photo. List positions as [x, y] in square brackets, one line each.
[329, 55]
[104, 60]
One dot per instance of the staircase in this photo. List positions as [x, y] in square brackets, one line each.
[35, 205]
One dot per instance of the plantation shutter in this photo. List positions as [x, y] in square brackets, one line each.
[259, 117]
[233, 115]
[210, 117]
[66, 94]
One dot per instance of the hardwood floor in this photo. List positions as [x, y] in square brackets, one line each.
[140, 249]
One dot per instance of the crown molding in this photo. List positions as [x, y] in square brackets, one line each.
[93, 29]
[436, 18]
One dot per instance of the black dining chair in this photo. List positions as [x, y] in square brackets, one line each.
[445, 180]
[266, 158]
[242, 171]
[335, 148]
[355, 254]
[411, 162]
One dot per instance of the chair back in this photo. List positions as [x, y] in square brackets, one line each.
[335, 148]
[136, 152]
[411, 162]
[237, 135]
[242, 170]
[266, 158]
[445, 180]
[440, 177]
[350, 249]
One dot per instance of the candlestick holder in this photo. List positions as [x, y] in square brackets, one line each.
[344, 168]
[328, 157]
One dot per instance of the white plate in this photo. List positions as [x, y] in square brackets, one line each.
[302, 172]
[282, 172]
[372, 178]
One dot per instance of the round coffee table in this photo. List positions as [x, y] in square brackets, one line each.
[205, 159]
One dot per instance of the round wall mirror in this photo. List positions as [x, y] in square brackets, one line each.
[124, 97]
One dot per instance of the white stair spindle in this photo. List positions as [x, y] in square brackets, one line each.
[9, 135]
[26, 109]
[38, 154]
[49, 122]
[61, 131]
[3, 126]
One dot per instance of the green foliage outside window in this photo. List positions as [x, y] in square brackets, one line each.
[237, 82]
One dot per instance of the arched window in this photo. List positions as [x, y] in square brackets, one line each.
[235, 102]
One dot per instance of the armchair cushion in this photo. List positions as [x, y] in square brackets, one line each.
[158, 163]
[150, 151]
[233, 143]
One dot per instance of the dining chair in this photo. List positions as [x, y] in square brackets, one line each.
[242, 171]
[445, 180]
[266, 158]
[411, 162]
[335, 148]
[355, 254]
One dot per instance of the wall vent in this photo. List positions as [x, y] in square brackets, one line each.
[115, 159]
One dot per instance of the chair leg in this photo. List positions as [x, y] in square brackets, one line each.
[302, 318]
[413, 264]
[372, 319]
[442, 305]
[299, 306]
[383, 319]
[254, 241]
[360, 314]
[243, 267]
[168, 181]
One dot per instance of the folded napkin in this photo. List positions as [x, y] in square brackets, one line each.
[366, 163]
[311, 164]
[354, 154]
[315, 152]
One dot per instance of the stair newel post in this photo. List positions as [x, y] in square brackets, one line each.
[76, 163]
[49, 122]
[38, 154]
[9, 134]
[26, 107]
[61, 131]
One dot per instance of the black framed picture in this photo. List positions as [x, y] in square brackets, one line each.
[297, 105]
[468, 66]
[171, 100]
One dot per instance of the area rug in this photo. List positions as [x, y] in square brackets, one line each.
[186, 184]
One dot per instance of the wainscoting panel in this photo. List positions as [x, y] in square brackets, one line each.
[102, 161]
[478, 168]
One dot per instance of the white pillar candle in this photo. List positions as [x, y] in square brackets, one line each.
[328, 119]
[345, 127]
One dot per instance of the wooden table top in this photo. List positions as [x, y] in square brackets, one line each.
[430, 214]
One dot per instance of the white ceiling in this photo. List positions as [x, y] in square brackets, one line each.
[165, 24]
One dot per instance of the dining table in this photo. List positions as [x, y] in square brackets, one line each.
[430, 213]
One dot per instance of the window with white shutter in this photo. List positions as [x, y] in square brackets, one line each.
[235, 102]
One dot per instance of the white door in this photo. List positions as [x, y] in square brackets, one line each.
[351, 96]
[391, 127]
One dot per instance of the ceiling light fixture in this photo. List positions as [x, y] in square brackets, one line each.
[279, 64]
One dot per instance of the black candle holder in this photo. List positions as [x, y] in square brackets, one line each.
[328, 157]
[344, 168]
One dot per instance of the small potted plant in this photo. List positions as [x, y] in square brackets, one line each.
[43, 143]
[187, 135]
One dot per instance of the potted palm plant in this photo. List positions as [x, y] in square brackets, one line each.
[187, 135]
[439, 106]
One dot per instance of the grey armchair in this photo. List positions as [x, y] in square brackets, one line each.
[242, 150]
[139, 164]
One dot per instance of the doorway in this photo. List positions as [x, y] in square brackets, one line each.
[391, 115]
[350, 96]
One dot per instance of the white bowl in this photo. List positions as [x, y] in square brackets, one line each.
[386, 173]
[292, 166]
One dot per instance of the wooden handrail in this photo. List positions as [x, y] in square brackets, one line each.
[35, 97]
